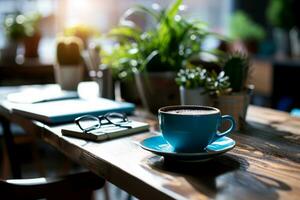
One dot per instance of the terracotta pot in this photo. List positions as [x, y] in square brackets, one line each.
[9, 52]
[244, 46]
[157, 89]
[31, 45]
[235, 105]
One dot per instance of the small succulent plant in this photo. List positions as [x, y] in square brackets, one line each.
[236, 66]
[217, 84]
[213, 83]
[192, 78]
[68, 50]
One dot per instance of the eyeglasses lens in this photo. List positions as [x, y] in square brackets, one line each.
[115, 118]
[88, 123]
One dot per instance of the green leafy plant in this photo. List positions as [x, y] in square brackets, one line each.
[214, 84]
[279, 14]
[236, 67]
[14, 26]
[18, 26]
[167, 46]
[32, 23]
[243, 28]
[122, 59]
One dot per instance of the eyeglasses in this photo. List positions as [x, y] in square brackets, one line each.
[89, 123]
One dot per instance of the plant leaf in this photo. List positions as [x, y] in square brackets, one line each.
[173, 9]
[126, 32]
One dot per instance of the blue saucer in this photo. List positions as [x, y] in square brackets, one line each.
[159, 146]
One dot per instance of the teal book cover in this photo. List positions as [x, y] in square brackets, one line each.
[63, 111]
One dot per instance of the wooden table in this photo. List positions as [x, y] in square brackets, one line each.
[265, 164]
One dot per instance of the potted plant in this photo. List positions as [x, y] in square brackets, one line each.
[118, 61]
[155, 54]
[14, 31]
[32, 35]
[21, 29]
[226, 90]
[197, 84]
[68, 70]
[82, 31]
[237, 67]
[279, 14]
[245, 32]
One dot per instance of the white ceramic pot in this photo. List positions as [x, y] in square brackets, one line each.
[194, 96]
[68, 76]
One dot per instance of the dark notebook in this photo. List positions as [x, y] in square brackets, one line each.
[105, 132]
[67, 110]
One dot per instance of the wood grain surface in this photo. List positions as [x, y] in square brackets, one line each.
[265, 164]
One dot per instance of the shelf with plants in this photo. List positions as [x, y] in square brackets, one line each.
[21, 29]
[153, 55]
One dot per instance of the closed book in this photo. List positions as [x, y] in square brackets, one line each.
[36, 95]
[105, 132]
[63, 111]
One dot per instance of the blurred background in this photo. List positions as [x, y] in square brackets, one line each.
[57, 15]
[34, 36]
[103, 15]
[268, 30]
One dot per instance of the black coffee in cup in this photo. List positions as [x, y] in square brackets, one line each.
[192, 111]
[192, 128]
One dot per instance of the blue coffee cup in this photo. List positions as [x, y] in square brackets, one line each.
[191, 128]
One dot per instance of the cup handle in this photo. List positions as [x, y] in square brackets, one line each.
[231, 128]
